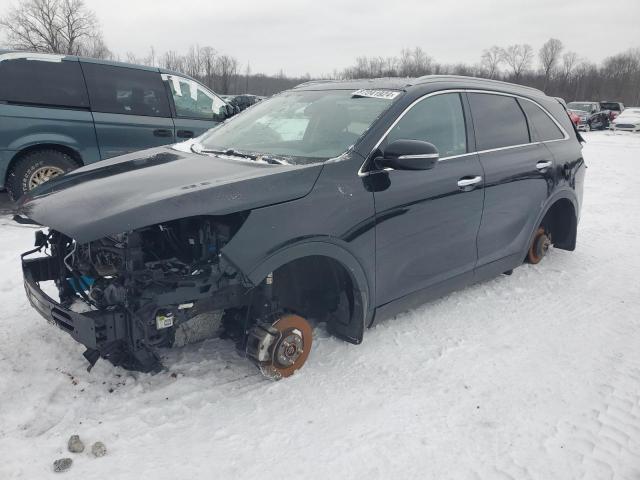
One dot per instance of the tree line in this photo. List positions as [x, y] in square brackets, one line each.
[69, 27]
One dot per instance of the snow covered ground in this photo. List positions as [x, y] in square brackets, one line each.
[532, 376]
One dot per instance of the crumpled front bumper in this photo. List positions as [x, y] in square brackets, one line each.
[93, 329]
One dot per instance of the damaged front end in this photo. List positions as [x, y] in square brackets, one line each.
[123, 296]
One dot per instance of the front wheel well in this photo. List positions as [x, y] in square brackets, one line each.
[43, 146]
[318, 288]
[562, 223]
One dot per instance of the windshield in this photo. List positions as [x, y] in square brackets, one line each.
[610, 106]
[585, 107]
[301, 126]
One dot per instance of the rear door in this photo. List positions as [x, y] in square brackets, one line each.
[518, 176]
[130, 108]
[196, 108]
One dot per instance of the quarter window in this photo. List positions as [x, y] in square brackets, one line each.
[439, 120]
[129, 91]
[498, 121]
[51, 82]
[194, 101]
[542, 127]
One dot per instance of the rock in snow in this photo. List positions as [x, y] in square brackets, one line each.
[99, 449]
[62, 465]
[75, 445]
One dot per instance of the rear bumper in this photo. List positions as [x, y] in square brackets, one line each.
[92, 329]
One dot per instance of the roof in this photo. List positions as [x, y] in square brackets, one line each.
[400, 83]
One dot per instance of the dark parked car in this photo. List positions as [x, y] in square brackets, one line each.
[337, 202]
[243, 101]
[614, 109]
[61, 112]
[592, 116]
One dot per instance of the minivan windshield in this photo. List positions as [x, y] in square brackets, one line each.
[298, 127]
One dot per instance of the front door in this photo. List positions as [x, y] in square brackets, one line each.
[130, 108]
[427, 221]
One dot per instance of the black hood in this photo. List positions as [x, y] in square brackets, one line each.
[158, 185]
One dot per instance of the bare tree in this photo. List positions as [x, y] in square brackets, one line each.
[54, 26]
[519, 58]
[491, 60]
[549, 55]
[569, 63]
[226, 68]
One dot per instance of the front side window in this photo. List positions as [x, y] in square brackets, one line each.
[542, 127]
[498, 121]
[128, 91]
[438, 120]
[192, 100]
[50, 82]
[301, 126]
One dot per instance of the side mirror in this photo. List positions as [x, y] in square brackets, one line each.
[408, 155]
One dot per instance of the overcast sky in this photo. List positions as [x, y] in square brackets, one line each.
[318, 36]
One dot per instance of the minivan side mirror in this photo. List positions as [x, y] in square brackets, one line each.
[408, 155]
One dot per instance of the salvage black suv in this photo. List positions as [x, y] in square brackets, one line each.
[337, 202]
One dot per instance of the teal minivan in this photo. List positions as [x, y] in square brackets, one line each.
[60, 112]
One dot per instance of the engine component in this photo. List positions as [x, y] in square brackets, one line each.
[281, 348]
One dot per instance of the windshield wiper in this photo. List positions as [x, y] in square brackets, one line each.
[252, 156]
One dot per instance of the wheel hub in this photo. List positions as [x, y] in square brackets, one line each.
[289, 349]
[42, 175]
[539, 246]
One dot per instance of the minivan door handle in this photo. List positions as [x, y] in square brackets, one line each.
[184, 133]
[162, 132]
[467, 183]
[543, 165]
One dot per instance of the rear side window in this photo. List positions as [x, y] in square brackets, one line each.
[126, 90]
[56, 83]
[439, 120]
[542, 127]
[498, 121]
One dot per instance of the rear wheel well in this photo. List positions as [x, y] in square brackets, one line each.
[43, 146]
[561, 222]
[316, 287]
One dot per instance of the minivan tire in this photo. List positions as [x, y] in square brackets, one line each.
[20, 179]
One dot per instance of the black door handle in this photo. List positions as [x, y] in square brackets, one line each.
[184, 133]
[162, 132]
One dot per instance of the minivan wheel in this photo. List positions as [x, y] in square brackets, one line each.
[36, 168]
[539, 246]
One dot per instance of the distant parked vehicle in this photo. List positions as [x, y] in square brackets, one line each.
[628, 121]
[575, 118]
[592, 116]
[243, 101]
[614, 109]
[60, 112]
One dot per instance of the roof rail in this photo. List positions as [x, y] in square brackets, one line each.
[425, 78]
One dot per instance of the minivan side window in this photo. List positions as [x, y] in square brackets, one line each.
[51, 82]
[194, 101]
[439, 120]
[128, 91]
[544, 129]
[498, 121]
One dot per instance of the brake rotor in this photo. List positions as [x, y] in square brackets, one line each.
[291, 350]
[539, 246]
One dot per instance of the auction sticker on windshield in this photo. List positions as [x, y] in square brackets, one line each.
[388, 94]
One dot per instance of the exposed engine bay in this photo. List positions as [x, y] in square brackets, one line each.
[138, 288]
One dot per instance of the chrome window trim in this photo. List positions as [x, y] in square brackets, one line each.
[361, 173]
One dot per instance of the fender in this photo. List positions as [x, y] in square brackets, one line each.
[44, 138]
[363, 311]
[563, 193]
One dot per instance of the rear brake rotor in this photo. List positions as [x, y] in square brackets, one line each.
[539, 246]
[291, 350]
